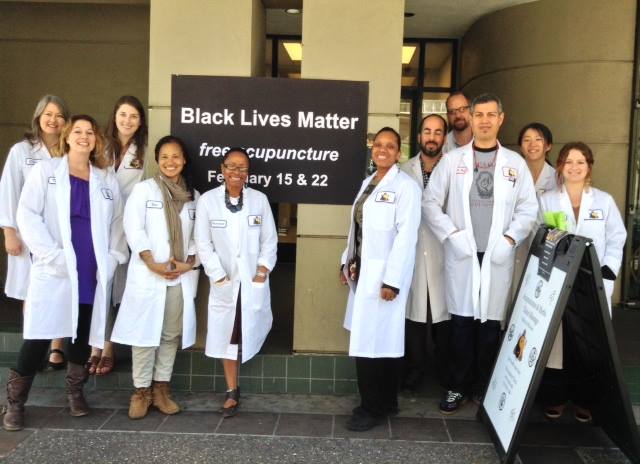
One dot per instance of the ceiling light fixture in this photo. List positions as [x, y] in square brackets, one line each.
[407, 53]
[294, 50]
[293, 10]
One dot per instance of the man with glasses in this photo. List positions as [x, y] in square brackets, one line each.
[426, 296]
[459, 121]
[474, 186]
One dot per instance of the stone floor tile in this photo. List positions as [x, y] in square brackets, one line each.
[305, 425]
[407, 428]
[191, 422]
[251, 423]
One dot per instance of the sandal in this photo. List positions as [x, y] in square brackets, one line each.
[554, 412]
[582, 415]
[56, 366]
[92, 364]
[231, 410]
[105, 366]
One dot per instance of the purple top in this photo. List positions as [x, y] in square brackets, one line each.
[82, 240]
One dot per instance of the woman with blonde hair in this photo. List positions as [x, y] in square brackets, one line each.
[70, 217]
[48, 119]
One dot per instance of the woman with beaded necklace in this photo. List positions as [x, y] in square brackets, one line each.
[236, 241]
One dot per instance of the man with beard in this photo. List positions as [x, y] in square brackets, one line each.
[480, 203]
[426, 297]
[459, 118]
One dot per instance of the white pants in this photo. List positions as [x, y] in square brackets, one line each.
[156, 362]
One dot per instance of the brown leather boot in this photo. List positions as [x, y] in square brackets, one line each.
[77, 375]
[17, 393]
[140, 402]
[162, 398]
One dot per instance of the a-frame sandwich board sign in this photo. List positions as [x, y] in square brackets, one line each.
[562, 282]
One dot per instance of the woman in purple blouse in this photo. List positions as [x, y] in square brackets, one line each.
[70, 216]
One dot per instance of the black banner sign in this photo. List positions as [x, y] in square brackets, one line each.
[306, 138]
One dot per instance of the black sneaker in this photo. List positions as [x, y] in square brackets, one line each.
[451, 402]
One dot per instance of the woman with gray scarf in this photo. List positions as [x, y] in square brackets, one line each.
[157, 307]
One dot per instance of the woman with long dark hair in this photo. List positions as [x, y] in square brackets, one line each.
[126, 142]
[157, 307]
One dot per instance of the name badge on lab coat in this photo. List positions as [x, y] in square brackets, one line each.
[52, 180]
[255, 220]
[31, 161]
[511, 174]
[154, 204]
[192, 214]
[386, 197]
[218, 223]
[595, 214]
[107, 193]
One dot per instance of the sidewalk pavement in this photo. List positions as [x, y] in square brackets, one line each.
[281, 429]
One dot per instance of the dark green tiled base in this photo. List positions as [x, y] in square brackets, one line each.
[193, 371]
[269, 373]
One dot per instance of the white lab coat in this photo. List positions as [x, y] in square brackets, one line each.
[390, 222]
[449, 143]
[51, 306]
[482, 291]
[128, 176]
[258, 241]
[21, 158]
[599, 220]
[545, 183]
[428, 282]
[141, 314]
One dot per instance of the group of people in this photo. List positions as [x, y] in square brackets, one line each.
[437, 245]
[86, 235]
[434, 245]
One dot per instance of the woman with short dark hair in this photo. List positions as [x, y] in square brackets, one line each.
[237, 241]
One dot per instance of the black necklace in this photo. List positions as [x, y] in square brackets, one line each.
[231, 207]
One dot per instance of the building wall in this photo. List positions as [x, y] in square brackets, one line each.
[71, 51]
[566, 63]
[355, 47]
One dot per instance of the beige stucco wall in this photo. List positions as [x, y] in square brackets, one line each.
[566, 63]
[353, 47]
[86, 53]
[200, 37]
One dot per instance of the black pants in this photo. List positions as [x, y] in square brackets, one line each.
[378, 385]
[575, 381]
[417, 349]
[474, 347]
[33, 351]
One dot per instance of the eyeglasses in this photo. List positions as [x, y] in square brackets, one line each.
[461, 109]
[233, 167]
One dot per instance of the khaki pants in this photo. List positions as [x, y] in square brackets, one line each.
[156, 362]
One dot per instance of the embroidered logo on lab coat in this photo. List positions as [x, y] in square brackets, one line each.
[154, 204]
[255, 220]
[107, 193]
[386, 197]
[218, 223]
[192, 214]
[462, 169]
[31, 161]
[52, 180]
[595, 214]
[134, 164]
